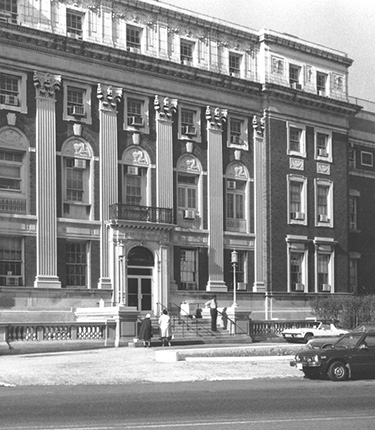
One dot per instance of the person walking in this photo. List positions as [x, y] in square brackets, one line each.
[145, 331]
[213, 311]
[165, 328]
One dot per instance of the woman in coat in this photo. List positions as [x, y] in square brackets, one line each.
[145, 331]
[165, 328]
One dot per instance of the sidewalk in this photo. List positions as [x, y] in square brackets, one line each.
[137, 365]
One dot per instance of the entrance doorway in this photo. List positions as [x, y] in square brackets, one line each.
[140, 274]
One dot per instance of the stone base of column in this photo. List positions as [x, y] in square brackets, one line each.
[217, 286]
[105, 284]
[47, 282]
[259, 287]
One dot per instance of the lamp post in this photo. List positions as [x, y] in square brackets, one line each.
[234, 261]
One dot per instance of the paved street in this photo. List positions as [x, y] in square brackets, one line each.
[128, 365]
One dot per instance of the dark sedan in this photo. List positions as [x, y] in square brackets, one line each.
[351, 356]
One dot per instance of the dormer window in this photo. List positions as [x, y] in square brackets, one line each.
[133, 38]
[295, 77]
[186, 52]
[234, 64]
[74, 22]
[321, 83]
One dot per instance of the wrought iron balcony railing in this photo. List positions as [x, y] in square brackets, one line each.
[150, 214]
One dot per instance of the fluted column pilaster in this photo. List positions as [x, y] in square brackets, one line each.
[215, 119]
[165, 111]
[46, 235]
[108, 176]
[260, 204]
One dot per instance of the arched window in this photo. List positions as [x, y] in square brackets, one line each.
[237, 198]
[189, 201]
[135, 176]
[77, 176]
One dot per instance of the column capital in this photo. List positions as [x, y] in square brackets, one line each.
[108, 97]
[216, 118]
[165, 109]
[46, 84]
[258, 125]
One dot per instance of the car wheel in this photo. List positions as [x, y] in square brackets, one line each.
[308, 336]
[312, 373]
[338, 371]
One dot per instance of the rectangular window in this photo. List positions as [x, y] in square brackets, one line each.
[295, 140]
[74, 24]
[295, 77]
[10, 170]
[75, 101]
[9, 90]
[235, 130]
[187, 192]
[8, 11]
[324, 203]
[321, 83]
[236, 199]
[367, 159]
[188, 122]
[10, 261]
[353, 274]
[322, 145]
[353, 213]
[133, 37]
[297, 201]
[74, 180]
[296, 260]
[296, 196]
[186, 52]
[188, 269]
[133, 189]
[352, 158]
[76, 264]
[135, 112]
[323, 264]
[235, 64]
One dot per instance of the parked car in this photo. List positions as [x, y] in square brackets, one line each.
[320, 329]
[327, 341]
[351, 356]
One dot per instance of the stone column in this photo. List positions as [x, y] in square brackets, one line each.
[260, 205]
[215, 119]
[108, 177]
[164, 151]
[46, 235]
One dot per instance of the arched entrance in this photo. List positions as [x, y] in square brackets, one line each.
[140, 273]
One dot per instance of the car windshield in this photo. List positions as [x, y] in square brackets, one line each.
[349, 340]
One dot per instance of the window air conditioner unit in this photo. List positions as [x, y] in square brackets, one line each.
[135, 120]
[234, 138]
[79, 163]
[321, 93]
[186, 62]
[190, 285]
[189, 130]
[241, 286]
[296, 86]
[132, 170]
[297, 215]
[74, 35]
[12, 280]
[323, 218]
[5, 16]
[189, 214]
[77, 110]
[299, 287]
[231, 185]
[326, 287]
[8, 99]
[235, 73]
[134, 49]
[322, 152]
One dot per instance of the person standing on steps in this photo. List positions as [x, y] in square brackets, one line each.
[213, 311]
[224, 318]
[145, 332]
[165, 328]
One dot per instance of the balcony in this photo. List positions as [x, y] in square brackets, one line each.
[140, 213]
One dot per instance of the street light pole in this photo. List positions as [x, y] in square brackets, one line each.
[234, 261]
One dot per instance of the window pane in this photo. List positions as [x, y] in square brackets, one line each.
[295, 196]
[295, 139]
[76, 264]
[10, 261]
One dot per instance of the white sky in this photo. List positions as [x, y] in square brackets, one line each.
[345, 25]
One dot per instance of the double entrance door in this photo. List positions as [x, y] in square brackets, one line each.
[139, 291]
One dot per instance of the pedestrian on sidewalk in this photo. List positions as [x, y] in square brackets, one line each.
[224, 318]
[165, 328]
[213, 311]
[145, 331]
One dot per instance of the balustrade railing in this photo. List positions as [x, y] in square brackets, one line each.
[273, 328]
[153, 214]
